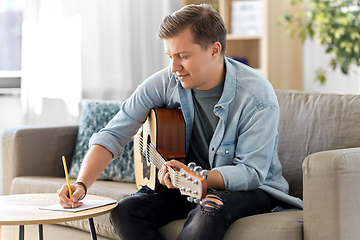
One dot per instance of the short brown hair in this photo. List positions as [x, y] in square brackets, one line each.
[205, 23]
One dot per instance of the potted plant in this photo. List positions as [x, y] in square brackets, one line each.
[334, 23]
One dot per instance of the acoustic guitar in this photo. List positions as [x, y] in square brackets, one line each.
[162, 138]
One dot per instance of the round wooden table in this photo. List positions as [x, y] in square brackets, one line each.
[23, 209]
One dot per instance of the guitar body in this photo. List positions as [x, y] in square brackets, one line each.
[165, 129]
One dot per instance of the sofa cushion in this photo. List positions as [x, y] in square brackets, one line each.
[314, 122]
[95, 115]
[35, 184]
[287, 225]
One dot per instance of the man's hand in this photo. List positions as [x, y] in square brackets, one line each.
[214, 179]
[78, 193]
[164, 176]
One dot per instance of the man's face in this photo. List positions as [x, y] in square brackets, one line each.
[189, 61]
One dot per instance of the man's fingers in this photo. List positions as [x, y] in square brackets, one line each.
[78, 204]
[161, 173]
[63, 192]
[77, 194]
[164, 177]
[175, 164]
[64, 203]
[167, 181]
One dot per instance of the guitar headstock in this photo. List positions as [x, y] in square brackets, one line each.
[192, 182]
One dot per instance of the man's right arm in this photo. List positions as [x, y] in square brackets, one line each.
[94, 163]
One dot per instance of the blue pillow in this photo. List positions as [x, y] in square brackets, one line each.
[95, 115]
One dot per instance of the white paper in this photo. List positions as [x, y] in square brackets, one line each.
[88, 204]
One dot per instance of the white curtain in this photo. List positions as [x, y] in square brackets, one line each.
[97, 49]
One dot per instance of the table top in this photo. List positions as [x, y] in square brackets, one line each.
[23, 209]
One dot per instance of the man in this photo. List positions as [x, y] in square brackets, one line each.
[231, 115]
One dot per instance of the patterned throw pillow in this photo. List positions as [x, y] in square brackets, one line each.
[95, 115]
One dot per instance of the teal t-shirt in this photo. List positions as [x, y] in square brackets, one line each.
[205, 122]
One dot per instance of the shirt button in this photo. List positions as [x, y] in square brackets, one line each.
[188, 115]
[226, 151]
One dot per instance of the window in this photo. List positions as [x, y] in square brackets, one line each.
[11, 15]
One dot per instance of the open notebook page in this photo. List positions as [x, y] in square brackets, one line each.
[88, 204]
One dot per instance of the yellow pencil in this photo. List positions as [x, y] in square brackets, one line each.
[67, 180]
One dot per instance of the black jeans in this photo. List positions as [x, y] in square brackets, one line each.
[140, 215]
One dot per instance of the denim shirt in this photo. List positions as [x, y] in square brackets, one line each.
[244, 145]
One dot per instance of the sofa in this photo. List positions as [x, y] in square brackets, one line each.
[319, 148]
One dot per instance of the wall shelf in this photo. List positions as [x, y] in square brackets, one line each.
[237, 37]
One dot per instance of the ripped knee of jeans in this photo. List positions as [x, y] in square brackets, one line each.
[211, 205]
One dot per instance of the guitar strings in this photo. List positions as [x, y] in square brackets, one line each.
[158, 161]
[154, 156]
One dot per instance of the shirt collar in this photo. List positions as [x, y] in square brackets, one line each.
[229, 86]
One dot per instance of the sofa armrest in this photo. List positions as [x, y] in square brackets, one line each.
[36, 151]
[332, 195]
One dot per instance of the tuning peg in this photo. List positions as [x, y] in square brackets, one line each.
[190, 199]
[197, 169]
[191, 165]
[202, 202]
[196, 200]
[204, 173]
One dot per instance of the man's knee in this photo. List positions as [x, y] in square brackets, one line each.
[213, 203]
[121, 211]
[114, 214]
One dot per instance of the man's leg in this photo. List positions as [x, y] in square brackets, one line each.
[139, 216]
[212, 219]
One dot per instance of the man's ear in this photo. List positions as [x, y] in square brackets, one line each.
[216, 49]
